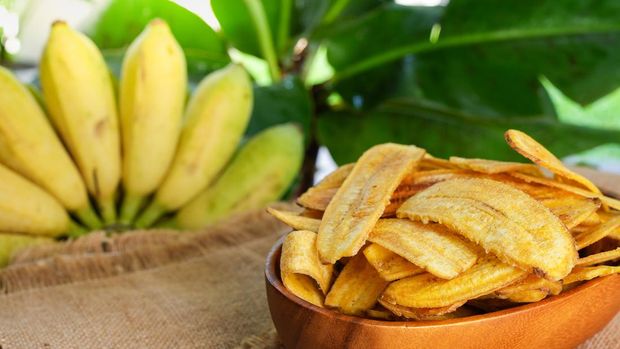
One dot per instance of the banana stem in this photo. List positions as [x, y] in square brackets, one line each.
[75, 230]
[108, 210]
[130, 207]
[88, 217]
[150, 215]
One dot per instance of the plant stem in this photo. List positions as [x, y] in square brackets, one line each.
[335, 10]
[284, 25]
[259, 18]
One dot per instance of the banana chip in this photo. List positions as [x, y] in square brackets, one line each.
[598, 258]
[295, 220]
[503, 220]
[381, 314]
[319, 196]
[430, 246]
[422, 313]
[390, 265]
[605, 200]
[589, 273]
[428, 291]
[362, 198]
[572, 209]
[531, 149]
[357, 288]
[493, 166]
[530, 283]
[430, 162]
[527, 296]
[596, 233]
[301, 270]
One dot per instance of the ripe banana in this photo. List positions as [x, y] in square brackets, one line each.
[79, 95]
[26, 208]
[13, 243]
[260, 173]
[215, 120]
[152, 96]
[29, 145]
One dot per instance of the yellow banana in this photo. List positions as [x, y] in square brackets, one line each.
[152, 96]
[215, 120]
[29, 145]
[79, 95]
[260, 173]
[26, 208]
[13, 243]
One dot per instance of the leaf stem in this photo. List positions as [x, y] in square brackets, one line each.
[477, 38]
[286, 8]
[259, 18]
[335, 10]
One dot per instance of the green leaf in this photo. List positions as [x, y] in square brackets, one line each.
[286, 101]
[603, 113]
[324, 15]
[487, 58]
[445, 132]
[389, 26]
[237, 23]
[123, 20]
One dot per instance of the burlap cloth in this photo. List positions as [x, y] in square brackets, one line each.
[154, 290]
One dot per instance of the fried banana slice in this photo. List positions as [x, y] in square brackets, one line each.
[593, 219]
[493, 166]
[433, 247]
[527, 296]
[430, 162]
[428, 291]
[422, 313]
[319, 196]
[596, 233]
[380, 313]
[301, 270]
[572, 210]
[605, 200]
[295, 220]
[589, 273]
[598, 258]
[501, 219]
[390, 265]
[362, 198]
[357, 288]
[530, 283]
[537, 153]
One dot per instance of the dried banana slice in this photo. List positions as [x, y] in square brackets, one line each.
[441, 313]
[428, 291]
[362, 198]
[301, 270]
[295, 220]
[596, 233]
[589, 273]
[319, 196]
[390, 265]
[537, 153]
[433, 247]
[598, 258]
[357, 288]
[493, 166]
[501, 219]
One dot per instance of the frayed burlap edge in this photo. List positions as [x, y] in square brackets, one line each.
[98, 255]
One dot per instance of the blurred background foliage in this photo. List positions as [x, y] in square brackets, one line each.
[449, 76]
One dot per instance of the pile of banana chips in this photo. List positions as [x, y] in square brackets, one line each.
[402, 234]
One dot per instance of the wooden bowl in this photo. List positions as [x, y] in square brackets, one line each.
[562, 321]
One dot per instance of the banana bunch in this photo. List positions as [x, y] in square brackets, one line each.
[86, 159]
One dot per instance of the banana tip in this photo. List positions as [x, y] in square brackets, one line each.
[158, 22]
[59, 23]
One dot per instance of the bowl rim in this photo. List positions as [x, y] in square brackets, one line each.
[273, 278]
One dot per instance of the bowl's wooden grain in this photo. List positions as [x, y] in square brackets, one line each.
[562, 321]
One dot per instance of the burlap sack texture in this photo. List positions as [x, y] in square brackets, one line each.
[156, 289]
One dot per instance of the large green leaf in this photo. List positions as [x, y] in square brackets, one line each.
[487, 58]
[286, 101]
[325, 15]
[237, 23]
[445, 132]
[370, 35]
[123, 20]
